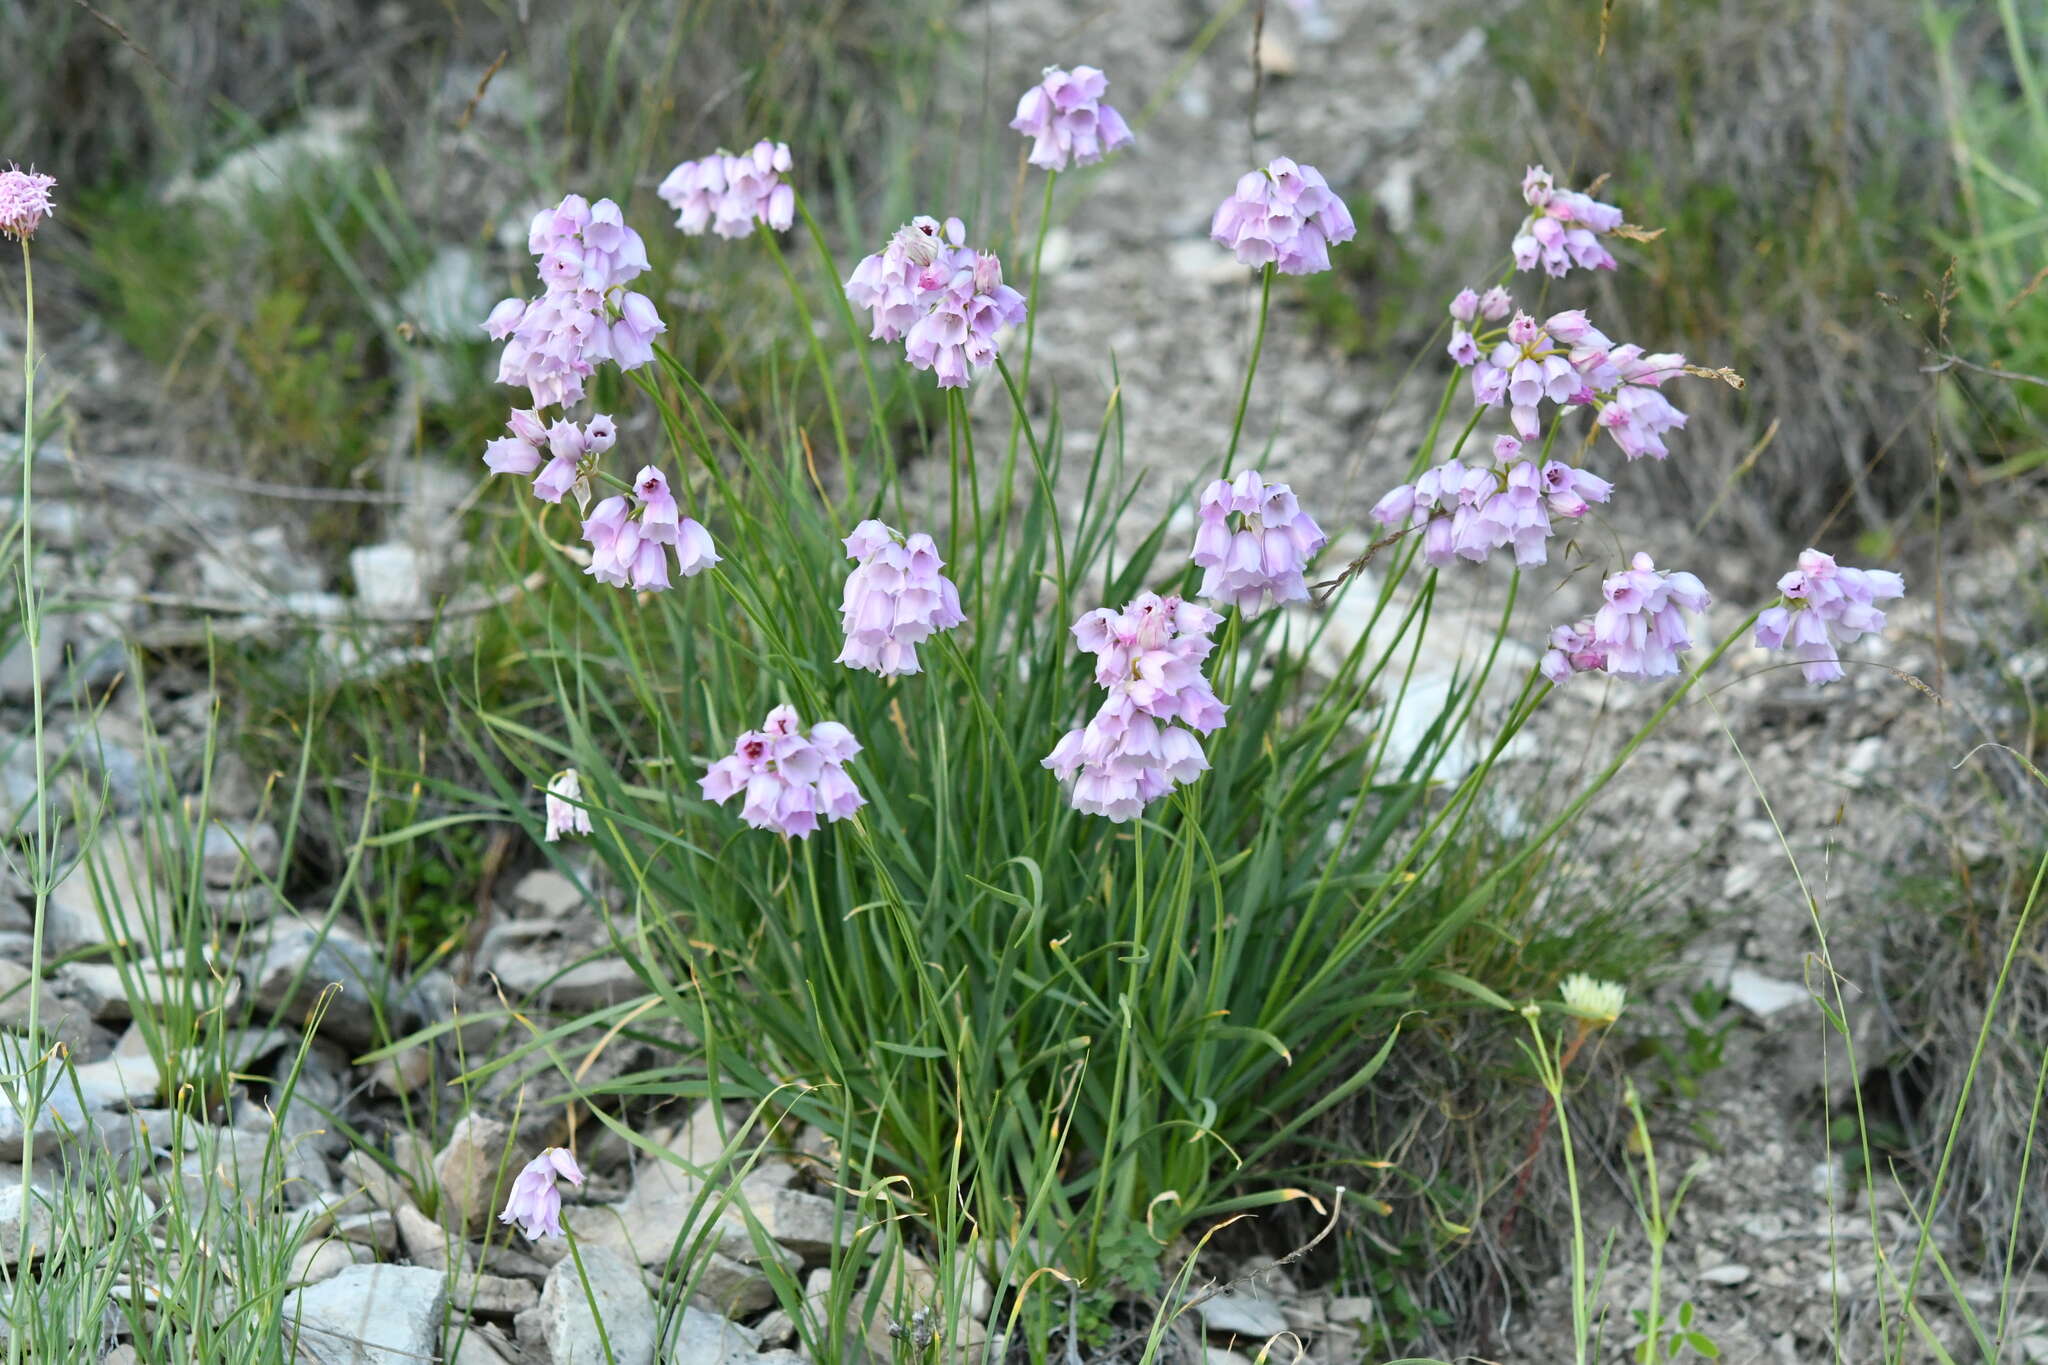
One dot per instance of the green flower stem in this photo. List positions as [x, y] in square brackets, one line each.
[604, 1339]
[1031, 304]
[846, 462]
[32, 630]
[1244, 399]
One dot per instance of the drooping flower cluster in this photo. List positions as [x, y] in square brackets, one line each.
[1567, 361]
[1563, 229]
[565, 812]
[562, 452]
[1254, 543]
[1135, 750]
[789, 779]
[630, 543]
[896, 598]
[1468, 306]
[535, 1205]
[24, 202]
[1285, 214]
[1639, 633]
[1468, 512]
[1825, 605]
[945, 301]
[730, 194]
[1067, 121]
[586, 315]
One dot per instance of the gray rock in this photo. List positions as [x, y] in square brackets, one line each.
[16, 679]
[427, 1242]
[475, 1347]
[361, 1171]
[467, 1171]
[14, 1228]
[322, 1260]
[375, 1228]
[390, 578]
[547, 894]
[108, 896]
[1240, 1315]
[370, 1315]
[701, 1338]
[805, 1223]
[567, 1323]
[725, 1285]
[233, 854]
[494, 1296]
[538, 973]
[298, 962]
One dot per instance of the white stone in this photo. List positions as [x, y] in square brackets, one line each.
[371, 1315]
[1729, 1274]
[11, 1221]
[108, 896]
[703, 1338]
[317, 1261]
[1240, 1315]
[390, 578]
[467, 1170]
[621, 1298]
[1763, 995]
[546, 893]
[1354, 1308]
[494, 1296]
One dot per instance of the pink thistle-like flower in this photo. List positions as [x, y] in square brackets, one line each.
[1253, 544]
[1285, 215]
[1067, 121]
[24, 202]
[895, 599]
[1563, 229]
[787, 779]
[1823, 605]
[535, 1205]
[564, 813]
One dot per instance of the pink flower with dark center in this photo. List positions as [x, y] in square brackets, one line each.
[788, 780]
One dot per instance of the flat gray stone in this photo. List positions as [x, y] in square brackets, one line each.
[370, 1315]
[701, 1338]
[567, 1323]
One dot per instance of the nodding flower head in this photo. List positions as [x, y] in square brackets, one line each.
[1597, 1002]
